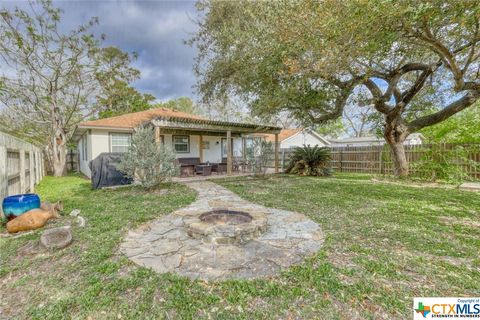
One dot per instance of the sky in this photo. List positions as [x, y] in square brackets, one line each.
[156, 30]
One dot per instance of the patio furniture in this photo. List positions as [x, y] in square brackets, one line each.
[236, 163]
[203, 169]
[187, 166]
[220, 168]
[189, 161]
[187, 170]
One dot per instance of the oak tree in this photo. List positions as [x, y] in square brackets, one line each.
[419, 61]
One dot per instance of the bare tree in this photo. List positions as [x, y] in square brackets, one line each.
[53, 77]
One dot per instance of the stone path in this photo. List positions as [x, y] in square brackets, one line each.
[165, 245]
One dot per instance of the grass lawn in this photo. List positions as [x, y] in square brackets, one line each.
[385, 244]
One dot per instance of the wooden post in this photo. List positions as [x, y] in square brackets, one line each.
[200, 149]
[22, 171]
[32, 172]
[35, 152]
[157, 135]
[3, 175]
[276, 152]
[229, 153]
[244, 149]
[340, 164]
[380, 155]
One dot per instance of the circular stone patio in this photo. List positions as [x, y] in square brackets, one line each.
[168, 244]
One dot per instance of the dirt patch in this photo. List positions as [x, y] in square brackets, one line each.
[342, 259]
[345, 311]
[15, 298]
[413, 184]
[466, 222]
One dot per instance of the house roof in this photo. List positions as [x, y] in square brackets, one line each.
[284, 134]
[133, 120]
[371, 139]
[169, 119]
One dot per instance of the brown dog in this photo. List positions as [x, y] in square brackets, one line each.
[35, 218]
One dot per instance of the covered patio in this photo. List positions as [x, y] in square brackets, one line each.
[208, 143]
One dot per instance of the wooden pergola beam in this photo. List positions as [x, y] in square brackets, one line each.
[200, 148]
[215, 126]
[277, 147]
[229, 153]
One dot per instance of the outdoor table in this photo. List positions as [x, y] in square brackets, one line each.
[206, 169]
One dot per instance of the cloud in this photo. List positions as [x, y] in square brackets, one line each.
[156, 30]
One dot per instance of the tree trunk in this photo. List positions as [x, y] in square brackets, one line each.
[396, 133]
[58, 145]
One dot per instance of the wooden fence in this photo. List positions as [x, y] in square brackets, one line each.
[21, 166]
[378, 159]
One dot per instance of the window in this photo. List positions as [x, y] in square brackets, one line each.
[181, 144]
[119, 142]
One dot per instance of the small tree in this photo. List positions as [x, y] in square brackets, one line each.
[310, 161]
[258, 156]
[147, 162]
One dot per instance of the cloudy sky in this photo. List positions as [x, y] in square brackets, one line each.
[154, 29]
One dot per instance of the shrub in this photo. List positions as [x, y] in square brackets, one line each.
[147, 162]
[258, 156]
[310, 161]
[440, 163]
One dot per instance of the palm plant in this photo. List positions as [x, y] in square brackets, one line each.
[310, 161]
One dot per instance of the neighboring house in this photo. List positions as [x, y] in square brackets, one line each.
[190, 136]
[412, 139]
[290, 138]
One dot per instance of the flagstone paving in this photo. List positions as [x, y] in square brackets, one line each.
[165, 245]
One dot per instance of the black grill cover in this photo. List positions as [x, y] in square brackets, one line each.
[104, 171]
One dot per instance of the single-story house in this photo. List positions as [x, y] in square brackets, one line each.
[291, 138]
[412, 139]
[190, 136]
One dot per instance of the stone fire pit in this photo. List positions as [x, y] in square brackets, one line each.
[224, 226]
[221, 236]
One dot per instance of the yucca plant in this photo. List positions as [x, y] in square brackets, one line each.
[310, 161]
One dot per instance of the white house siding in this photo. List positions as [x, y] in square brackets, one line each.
[98, 141]
[300, 139]
[214, 151]
[194, 142]
[84, 163]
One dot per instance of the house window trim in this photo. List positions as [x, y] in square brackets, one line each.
[110, 135]
[188, 143]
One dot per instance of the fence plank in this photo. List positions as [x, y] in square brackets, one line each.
[378, 159]
[21, 166]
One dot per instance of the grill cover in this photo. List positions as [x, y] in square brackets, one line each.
[104, 171]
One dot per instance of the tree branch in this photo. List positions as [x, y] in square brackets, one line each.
[454, 107]
[378, 99]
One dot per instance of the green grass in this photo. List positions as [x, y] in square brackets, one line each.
[385, 244]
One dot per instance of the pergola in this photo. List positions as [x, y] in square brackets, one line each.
[201, 127]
